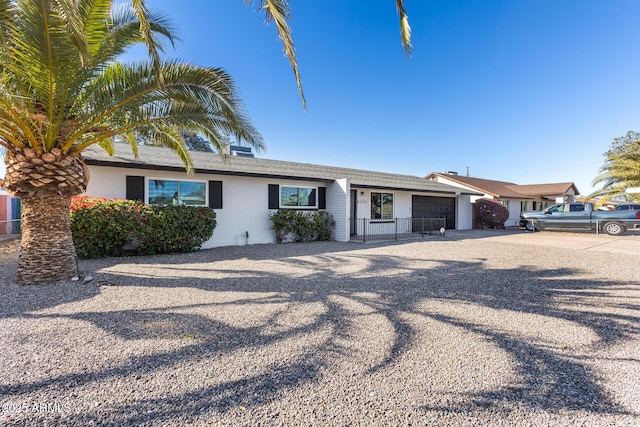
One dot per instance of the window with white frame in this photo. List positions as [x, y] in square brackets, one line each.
[298, 197]
[165, 192]
[381, 205]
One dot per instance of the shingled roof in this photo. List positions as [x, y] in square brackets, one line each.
[497, 189]
[503, 189]
[159, 158]
[548, 190]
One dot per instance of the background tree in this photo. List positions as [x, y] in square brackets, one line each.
[194, 142]
[621, 169]
[63, 90]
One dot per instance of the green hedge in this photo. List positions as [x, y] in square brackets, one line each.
[103, 227]
[302, 226]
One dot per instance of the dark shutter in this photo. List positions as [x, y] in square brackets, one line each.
[135, 187]
[215, 194]
[274, 196]
[322, 197]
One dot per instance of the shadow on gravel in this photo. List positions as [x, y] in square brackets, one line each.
[16, 300]
[549, 380]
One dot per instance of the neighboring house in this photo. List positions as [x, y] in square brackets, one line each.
[244, 190]
[10, 211]
[516, 198]
[560, 192]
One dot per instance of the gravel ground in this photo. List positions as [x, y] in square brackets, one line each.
[435, 332]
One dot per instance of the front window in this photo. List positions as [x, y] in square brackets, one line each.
[381, 205]
[165, 192]
[298, 197]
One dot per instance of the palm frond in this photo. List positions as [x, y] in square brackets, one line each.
[169, 137]
[278, 11]
[69, 12]
[154, 47]
[621, 169]
[132, 139]
[107, 145]
[127, 99]
[61, 87]
[96, 24]
[405, 28]
[7, 27]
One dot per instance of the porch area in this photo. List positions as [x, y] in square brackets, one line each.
[366, 229]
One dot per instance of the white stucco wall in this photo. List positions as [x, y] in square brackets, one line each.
[464, 213]
[245, 205]
[109, 182]
[514, 213]
[245, 201]
[338, 197]
[244, 218]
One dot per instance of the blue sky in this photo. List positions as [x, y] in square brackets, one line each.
[528, 91]
[516, 90]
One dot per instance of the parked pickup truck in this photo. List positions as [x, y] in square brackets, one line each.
[581, 216]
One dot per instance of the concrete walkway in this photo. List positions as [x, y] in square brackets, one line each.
[625, 244]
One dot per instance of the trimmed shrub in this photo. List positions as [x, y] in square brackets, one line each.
[175, 228]
[490, 214]
[103, 227]
[301, 226]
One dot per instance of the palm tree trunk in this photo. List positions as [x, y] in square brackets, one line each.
[45, 182]
[47, 253]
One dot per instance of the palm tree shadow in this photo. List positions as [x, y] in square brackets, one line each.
[16, 300]
[549, 380]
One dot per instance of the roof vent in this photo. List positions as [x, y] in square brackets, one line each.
[450, 173]
[238, 151]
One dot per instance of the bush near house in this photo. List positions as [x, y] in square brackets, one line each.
[302, 226]
[103, 227]
[490, 214]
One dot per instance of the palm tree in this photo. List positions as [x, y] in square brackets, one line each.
[62, 90]
[279, 12]
[621, 169]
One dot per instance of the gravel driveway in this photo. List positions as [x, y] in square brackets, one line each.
[435, 332]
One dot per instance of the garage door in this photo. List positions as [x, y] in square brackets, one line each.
[435, 207]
